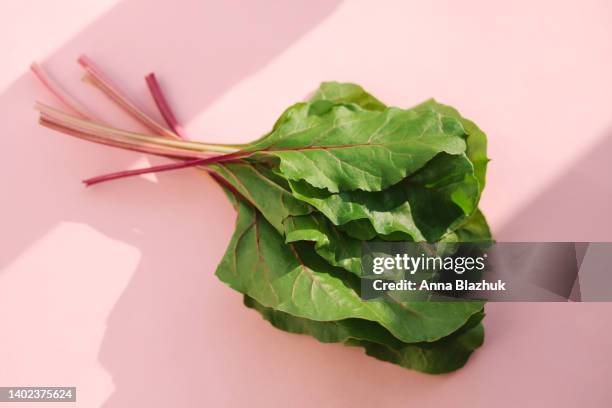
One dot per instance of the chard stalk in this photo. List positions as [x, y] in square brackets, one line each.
[169, 143]
[62, 96]
[98, 79]
[179, 148]
[163, 106]
[136, 172]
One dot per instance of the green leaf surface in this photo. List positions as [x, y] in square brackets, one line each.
[388, 211]
[263, 189]
[440, 356]
[331, 243]
[292, 278]
[422, 207]
[292, 218]
[337, 92]
[343, 147]
[475, 229]
[476, 139]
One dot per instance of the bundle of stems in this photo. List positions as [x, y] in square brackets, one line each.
[167, 140]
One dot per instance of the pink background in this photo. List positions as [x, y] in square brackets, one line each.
[111, 288]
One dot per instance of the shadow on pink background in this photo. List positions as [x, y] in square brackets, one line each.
[112, 289]
[575, 207]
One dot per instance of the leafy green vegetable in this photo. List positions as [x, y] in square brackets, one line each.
[291, 278]
[301, 184]
[426, 205]
[335, 174]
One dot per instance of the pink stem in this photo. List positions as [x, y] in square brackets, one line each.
[163, 106]
[123, 144]
[136, 172]
[179, 148]
[84, 132]
[100, 80]
[62, 96]
[156, 169]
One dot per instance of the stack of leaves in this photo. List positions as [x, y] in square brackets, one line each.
[335, 171]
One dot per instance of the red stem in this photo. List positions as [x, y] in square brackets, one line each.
[156, 169]
[60, 94]
[163, 106]
[96, 139]
[193, 162]
[101, 81]
[137, 172]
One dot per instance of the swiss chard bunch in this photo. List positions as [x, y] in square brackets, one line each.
[335, 171]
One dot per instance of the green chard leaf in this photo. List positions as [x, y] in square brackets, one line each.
[475, 229]
[476, 139]
[342, 147]
[293, 219]
[441, 356]
[440, 194]
[422, 207]
[293, 279]
[351, 93]
[337, 204]
[263, 189]
[331, 243]
[347, 93]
